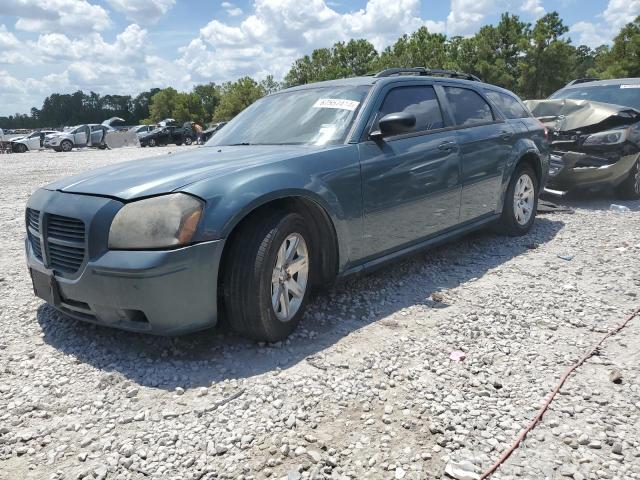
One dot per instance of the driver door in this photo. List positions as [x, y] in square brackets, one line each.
[411, 182]
[81, 136]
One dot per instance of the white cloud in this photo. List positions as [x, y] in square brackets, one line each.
[56, 15]
[279, 31]
[467, 15]
[231, 9]
[617, 14]
[142, 11]
[533, 7]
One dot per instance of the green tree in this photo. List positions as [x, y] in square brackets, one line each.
[162, 104]
[209, 95]
[188, 108]
[236, 96]
[623, 59]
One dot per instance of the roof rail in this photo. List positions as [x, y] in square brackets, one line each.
[425, 72]
[581, 80]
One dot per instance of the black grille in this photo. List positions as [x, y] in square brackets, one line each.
[65, 228]
[64, 257]
[33, 232]
[65, 240]
[33, 220]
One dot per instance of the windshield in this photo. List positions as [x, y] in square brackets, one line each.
[314, 116]
[625, 95]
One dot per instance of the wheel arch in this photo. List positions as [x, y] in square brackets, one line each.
[321, 223]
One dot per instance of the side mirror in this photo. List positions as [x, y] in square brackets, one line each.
[394, 124]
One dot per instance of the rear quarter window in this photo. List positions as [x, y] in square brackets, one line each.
[468, 107]
[508, 105]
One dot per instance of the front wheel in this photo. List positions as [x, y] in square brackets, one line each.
[152, 142]
[630, 188]
[520, 202]
[188, 140]
[21, 148]
[66, 145]
[267, 276]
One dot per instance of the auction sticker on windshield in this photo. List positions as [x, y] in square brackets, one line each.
[340, 103]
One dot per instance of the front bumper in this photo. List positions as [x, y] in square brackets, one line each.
[166, 292]
[570, 170]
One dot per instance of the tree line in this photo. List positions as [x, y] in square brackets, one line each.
[531, 60]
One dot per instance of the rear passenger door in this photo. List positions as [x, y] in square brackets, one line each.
[485, 144]
[410, 182]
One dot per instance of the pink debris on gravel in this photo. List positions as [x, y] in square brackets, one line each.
[457, 356]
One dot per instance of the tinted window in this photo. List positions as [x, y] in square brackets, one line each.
[468, 107]
[419, 100]
[508, 105]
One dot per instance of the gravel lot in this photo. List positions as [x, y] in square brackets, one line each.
[364, 389]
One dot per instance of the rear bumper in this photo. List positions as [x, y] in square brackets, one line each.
[571, 170]
[159, 292]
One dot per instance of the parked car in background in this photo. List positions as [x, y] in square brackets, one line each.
[595, 136]
[308, 184]
[167, 135]
[33, 141]
[90, 135]
[141, 129]
[211, 131]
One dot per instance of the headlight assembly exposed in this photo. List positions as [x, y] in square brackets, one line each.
[158, 222]
[610, 137]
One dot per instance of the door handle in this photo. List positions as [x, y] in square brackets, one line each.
[506, 135]
[447, 146]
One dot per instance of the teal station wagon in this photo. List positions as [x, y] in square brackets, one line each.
[306, 185]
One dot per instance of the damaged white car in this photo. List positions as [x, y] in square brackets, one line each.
[33, 141]
[91, 135]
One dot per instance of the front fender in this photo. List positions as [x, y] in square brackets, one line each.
[335, 188]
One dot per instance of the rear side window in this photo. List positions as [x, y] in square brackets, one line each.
[469, 108]
[508, 105]
[419, 100]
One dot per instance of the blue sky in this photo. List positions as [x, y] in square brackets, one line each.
[126, 46]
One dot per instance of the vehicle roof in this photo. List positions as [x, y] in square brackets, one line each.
[603, 83]
[371, 80]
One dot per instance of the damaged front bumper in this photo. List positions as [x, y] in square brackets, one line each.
[570, 170]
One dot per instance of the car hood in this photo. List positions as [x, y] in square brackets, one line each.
[17, 139]
[567, 115]
[167, 173]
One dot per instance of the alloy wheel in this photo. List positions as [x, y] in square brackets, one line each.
[66, 146]
[289, 277]
[523, 199]
[636, 185]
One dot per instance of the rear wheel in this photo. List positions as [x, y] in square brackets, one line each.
[630, 188]
[66, 145]
[521, 202]
[267, 276]
[188, 140]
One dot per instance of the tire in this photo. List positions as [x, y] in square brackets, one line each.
[152, 142]
[250, 268]
[21, 148]
[520, 202]
[630, 188]
[178, 144]
[188, 140]
[66, 145]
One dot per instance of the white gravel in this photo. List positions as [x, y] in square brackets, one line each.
[364, 389]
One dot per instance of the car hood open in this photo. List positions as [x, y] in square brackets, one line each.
[167, 173]
[567, 115]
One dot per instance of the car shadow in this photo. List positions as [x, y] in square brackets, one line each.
[203, 358]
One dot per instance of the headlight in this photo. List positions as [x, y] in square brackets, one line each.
[610, 137]
[158, 222]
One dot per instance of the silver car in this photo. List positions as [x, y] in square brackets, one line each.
[91, 135]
